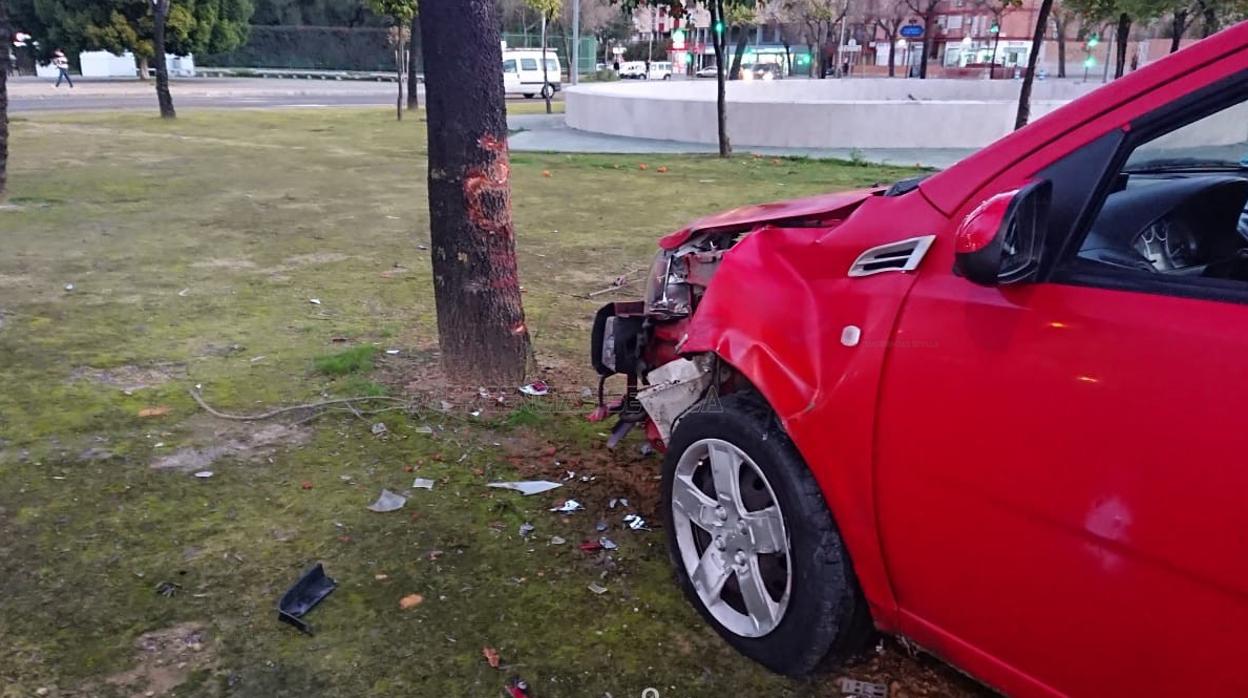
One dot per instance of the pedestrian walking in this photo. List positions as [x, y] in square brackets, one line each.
[62, 68]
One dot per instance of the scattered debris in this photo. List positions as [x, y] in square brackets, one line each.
[423, 429]
[387, 501]
[635, 522]
[646, 450]
[661, 169]
[526, 528]
[597, 588]
[537, 388]
[392, 352]
[517, 688]
[422, 483]
[411, 601]
[475, 413]
[167, 589]
[314, 301]
[526, 487]
[381, 576]
[556, 540]
[305, 485]
[601, 526]
[310, 590]
[862, 689]
[491, 656]
[204, 474]
[183, 292]
[379, 428]
[568, 507]
[591, 546]
[607, 543]
[69, 287]
[157, 411]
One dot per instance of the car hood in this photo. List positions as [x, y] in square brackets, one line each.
[756, 214]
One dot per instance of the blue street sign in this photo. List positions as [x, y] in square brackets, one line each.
[912, 31]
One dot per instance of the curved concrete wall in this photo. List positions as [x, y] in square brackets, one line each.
[859, 113]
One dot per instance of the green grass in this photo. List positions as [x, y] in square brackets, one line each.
[194, 247]
[353, 360]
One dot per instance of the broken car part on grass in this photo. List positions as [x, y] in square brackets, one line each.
[311, 589]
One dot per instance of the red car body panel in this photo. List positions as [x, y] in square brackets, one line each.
[997, 458]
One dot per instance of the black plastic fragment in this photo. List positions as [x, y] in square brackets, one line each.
[311, 588]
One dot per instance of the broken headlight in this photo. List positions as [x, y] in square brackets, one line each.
[667, 293]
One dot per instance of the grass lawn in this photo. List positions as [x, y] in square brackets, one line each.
[194, 249]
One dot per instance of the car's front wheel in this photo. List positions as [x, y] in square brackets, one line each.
[753, 543]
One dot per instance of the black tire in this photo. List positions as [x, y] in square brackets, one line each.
[528, 95]
[548, 91]
[827, 616]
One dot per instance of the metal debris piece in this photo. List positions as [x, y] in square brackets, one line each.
[204, 474]
[601, 526]
[387, 501]
[379, 428]
[314, 301]
[526, 487]
[475, 413]
[568, 507]
[422, 483]
[635, 522]
[862, 689]
[310, 590]
[537, 388]
[526, 528]
[556, 540]
[646, 450]
[607, 543]
[614, 501]
[597, 588]
[167, 589]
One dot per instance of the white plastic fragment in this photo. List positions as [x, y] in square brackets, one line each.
[597, 588]
[568, 507]
[635, 522]
[387, 501]
[422, 483]
[862, 689]
[526, 487]
[537, 388]
[392, 352]
[379, 428]
[314, 301]
[423, 429]
[526, 528]
[204, 474]
[556, 540]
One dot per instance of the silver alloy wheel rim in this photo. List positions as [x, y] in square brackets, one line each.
[744, 550]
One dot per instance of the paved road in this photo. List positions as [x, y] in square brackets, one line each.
[37, 94]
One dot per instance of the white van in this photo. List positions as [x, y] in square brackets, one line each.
[633, 70]
[522, 72]
[660, 70]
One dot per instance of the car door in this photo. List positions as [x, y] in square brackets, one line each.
[1062, 465]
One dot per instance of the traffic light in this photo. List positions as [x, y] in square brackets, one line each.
[719, 27]
[994, 29]
[1089, 62]
[1093, 40]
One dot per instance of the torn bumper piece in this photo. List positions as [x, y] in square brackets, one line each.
[310, 590]
[674, 388]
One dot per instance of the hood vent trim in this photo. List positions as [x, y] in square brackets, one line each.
[903, 255]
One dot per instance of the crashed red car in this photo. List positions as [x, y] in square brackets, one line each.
[998, 411]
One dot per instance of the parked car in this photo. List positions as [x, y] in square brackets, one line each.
[633, 70]
[996, 411]
[709, 71]
[523, 75]
[660, 70]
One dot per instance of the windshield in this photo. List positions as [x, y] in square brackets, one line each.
[1216, 142]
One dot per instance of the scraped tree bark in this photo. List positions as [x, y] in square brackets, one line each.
[160, 9]
[481, 327]
[6, 40]
[1037, 40]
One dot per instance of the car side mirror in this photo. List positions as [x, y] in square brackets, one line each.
[1000, 242]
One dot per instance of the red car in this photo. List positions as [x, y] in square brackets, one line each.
[1001, 411]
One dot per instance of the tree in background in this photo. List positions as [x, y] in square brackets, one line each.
[596, 16]
[888, 16]
[1062, 17]
[998, 9]
[926, 11]
[741, 18]
[819, 17]
[400, 14]
[413, 62]
[481, 327]
[547, 10]
[146, 28]
[1037, 40]
[316, 13]
[6, 40]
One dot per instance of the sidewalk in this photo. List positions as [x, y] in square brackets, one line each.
[548, 133]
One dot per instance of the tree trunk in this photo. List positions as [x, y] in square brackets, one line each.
[142, 66]
[1177, 27]
[1124, 35]
[892, 54]
[814, 61]
[992, 62]
[721, 98]
[400, 59]
[6, 40]
[547, 90]
[1037, 40]
[413, 67]
[161, 10]
[1210, 25]
[1061, 46]
[481, 328]
[743, 40]
[927, 46]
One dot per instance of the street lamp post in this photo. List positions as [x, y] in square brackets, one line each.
[576, 41]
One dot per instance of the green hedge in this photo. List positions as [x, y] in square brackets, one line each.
[325, 48]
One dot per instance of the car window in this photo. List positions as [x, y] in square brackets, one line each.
[509, 65]
[1175, 216]
[528, 63]
[552, 65]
